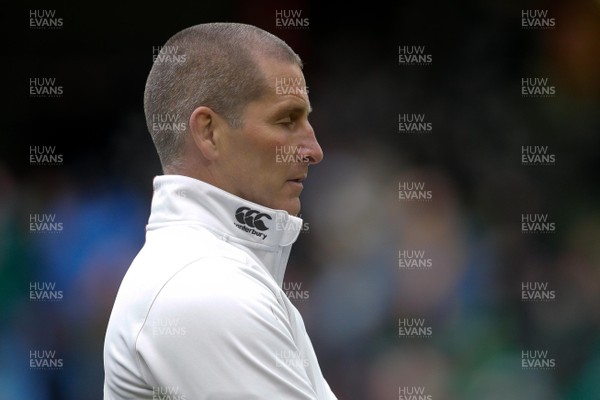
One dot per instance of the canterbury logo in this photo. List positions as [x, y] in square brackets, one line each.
[252, 221]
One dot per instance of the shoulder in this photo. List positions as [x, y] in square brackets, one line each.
[219, 291]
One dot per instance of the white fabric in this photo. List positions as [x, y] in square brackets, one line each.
[200, 314]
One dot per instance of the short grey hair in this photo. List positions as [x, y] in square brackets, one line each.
[213, 65]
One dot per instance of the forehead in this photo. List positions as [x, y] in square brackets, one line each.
[272, 67]
[285, 82]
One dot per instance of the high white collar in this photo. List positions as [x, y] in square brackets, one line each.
[267, 234]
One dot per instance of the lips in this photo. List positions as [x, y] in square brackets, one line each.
[298, 179]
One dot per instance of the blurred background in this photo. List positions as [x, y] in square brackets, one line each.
[87, 192]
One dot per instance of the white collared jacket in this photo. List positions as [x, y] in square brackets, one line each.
[200, 313]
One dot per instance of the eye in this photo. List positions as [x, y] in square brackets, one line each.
[287, 121]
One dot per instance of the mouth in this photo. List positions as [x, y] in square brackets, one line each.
[299, 179]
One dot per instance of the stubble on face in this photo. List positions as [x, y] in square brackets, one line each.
[266, 160]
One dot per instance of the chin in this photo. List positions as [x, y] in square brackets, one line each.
[292, 206]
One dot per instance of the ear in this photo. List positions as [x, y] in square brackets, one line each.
[205, 126]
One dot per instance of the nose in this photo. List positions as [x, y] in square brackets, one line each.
[311, 146]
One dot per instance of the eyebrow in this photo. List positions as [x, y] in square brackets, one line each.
[294, 106]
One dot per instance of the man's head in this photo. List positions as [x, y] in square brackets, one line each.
[226, 103]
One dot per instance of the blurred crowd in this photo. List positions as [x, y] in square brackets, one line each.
[469, 230]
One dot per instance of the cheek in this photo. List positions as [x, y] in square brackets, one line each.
[258, 147]
[262, 147]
